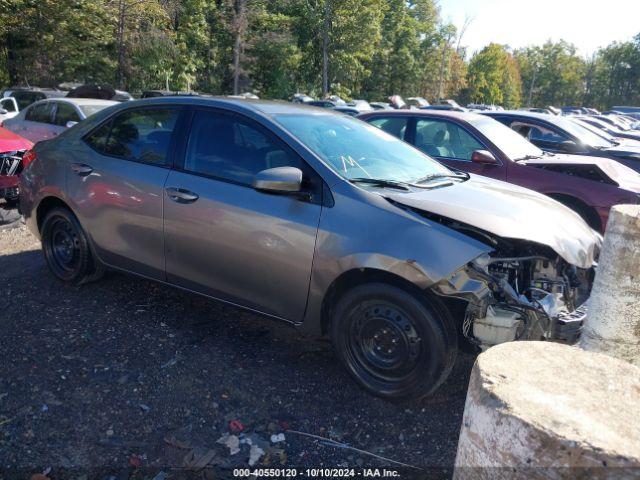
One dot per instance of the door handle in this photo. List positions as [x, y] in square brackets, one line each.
[180, 195]
[81, 169]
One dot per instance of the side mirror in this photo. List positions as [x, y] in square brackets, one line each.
[279, 180]
[3, 111]
[484, 157]
[70, 124]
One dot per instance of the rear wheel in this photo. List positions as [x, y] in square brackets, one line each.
[66, 248]
[395, 344]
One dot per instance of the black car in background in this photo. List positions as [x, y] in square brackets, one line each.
[561, 135]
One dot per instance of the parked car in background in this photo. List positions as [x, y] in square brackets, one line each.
[316, 219]
[12, 149]
[301, 98]
[417, 102]
[165, 93]
[100, 92]
[25, 96]
[474, 143]
[381, 106]
[607, 127]
[447, 105]
[351, 111]
[46, 119]
[322, 103]
[557, 134]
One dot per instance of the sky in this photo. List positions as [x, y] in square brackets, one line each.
[588, 24]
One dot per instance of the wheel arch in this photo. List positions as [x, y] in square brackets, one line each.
[46, 205]
[359, 276]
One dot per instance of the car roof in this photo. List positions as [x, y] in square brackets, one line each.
[264, 107]
[464, 116]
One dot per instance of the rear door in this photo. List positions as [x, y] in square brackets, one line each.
[453, 145]
[115, 180]
[37, 122]
[228, 240]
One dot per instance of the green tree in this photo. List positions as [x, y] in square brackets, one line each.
[493, 77]
[552, 74]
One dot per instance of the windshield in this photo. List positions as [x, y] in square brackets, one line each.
[89, 110]
[512, 144]
[581, 133]
[355, 149]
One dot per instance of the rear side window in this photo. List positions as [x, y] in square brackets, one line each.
[233, 148]
[8, 105]
[25, 99]
[65, 113]
[137, 135]
[396, 126]
[41, 113]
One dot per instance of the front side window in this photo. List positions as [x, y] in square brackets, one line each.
[65, 113]
[232, 148]
[355, 149]
[41, 113]
[440, 138]
[396, 126]
[137, 135]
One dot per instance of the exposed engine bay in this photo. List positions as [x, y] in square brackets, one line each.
[10, 166]
[520, 291]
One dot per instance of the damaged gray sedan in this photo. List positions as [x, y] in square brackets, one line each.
[317, 219]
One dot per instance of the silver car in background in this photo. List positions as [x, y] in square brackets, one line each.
[317, 219]
[47, 119]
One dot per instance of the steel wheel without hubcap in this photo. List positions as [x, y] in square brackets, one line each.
[384, 341]
[66, 248]
[395, 344]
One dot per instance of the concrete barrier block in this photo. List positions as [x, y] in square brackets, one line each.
[613, 319]
[545, 410]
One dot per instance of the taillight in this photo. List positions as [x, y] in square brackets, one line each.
[28, 157]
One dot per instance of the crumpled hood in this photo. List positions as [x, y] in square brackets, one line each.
[509, 211]
[11, 142]
[624, 176]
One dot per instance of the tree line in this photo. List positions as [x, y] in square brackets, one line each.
[353, 48]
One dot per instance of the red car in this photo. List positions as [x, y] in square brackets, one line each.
[478, 144]
[12, 149]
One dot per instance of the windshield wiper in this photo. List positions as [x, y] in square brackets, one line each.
[527, 157]
[380, 182]
[435, 176]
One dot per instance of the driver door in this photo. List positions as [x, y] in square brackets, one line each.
[225, 239]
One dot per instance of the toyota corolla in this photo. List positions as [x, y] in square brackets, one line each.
[316, 219]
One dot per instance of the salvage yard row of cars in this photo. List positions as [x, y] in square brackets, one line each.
[402, 235]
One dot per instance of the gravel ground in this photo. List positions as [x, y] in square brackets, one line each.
[127, 378]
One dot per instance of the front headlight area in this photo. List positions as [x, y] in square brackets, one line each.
[532, 297]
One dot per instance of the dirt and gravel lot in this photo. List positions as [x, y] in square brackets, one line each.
[125, 378]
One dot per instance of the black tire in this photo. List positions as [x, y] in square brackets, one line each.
[66, 248]
[395, 344]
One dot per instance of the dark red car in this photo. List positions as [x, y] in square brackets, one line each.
[12, 149]
[478, 144]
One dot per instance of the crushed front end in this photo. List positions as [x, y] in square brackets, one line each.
[10, 167]
[520, 291]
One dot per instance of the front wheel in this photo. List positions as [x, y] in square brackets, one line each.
[397, 345]
[66, 248]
